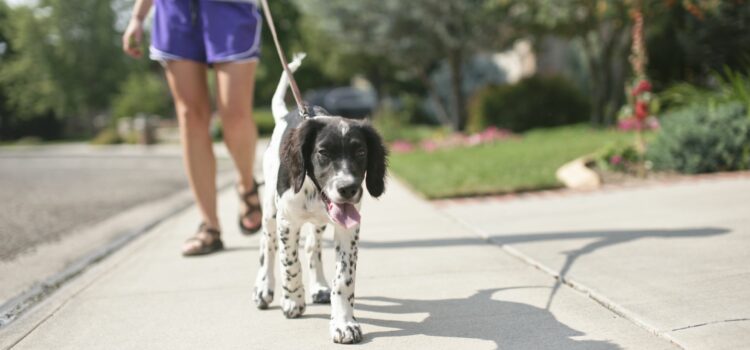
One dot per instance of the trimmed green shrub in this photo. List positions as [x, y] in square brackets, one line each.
[532, 103]
[703, 138]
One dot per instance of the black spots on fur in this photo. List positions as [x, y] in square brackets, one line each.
[350, 271]
[319, 256]
[350, 297]
[292, 291]
[262, 259]
[348, 282]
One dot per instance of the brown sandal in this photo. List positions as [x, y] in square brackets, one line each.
[209, 241]
[250, 209]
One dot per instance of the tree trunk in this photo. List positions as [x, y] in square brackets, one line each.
[606, 50]
[440, 109]
[455, 60]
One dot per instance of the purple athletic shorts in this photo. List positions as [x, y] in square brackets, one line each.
[207, 31]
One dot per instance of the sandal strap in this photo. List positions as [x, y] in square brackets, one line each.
[211, 231]
[245, 197]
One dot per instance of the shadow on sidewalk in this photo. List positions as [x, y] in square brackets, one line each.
[604, 238]
[510, 325]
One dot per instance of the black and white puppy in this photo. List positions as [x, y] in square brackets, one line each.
[314, 170]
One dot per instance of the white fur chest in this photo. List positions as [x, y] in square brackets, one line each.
[305, 204]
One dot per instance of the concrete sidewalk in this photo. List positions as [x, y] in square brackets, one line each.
[451, 291]
[673, 258]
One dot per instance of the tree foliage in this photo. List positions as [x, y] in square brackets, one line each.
[66, 60]
[412, 35]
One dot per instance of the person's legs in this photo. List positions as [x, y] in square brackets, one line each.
[187, 81]
[235, 83]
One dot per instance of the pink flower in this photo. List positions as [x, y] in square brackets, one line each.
[615, 159]
[474, 139]
[628, 124]
[401, 146]
[652, 123]
[429, 145]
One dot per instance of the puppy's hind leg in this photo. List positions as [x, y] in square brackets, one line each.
[319, 290]
[265, 281]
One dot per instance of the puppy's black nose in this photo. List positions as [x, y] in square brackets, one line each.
[348, 191]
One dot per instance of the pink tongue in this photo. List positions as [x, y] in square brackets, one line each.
[344, 214]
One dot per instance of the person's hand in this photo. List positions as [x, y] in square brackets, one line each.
[131, 39]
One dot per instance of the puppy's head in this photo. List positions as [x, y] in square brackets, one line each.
[338, 154]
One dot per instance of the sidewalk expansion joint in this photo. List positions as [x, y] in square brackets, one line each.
[582, 289]
[710, 323]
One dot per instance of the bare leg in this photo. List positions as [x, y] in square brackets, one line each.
[236, 83]
[344, 327]
[319, 290]
[187, 80]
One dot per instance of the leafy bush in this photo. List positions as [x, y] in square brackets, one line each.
[619, 156]
[393, 125]
[532, 103]
[703, 138]
[142, 93]
[263, 120]
[731, 86]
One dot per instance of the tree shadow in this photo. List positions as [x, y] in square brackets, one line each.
[510, 325]
[603, 239]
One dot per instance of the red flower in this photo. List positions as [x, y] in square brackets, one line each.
[643, 86]
[641, 110]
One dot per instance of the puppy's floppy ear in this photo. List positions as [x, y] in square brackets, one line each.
[296, 150]
[377, 161]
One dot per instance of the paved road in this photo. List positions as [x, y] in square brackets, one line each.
[48, 192]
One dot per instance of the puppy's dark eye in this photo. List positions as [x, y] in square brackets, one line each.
[360, 153]
[323, 154]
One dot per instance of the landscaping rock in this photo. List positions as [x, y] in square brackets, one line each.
[577, 175]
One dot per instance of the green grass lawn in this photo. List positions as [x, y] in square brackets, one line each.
[528, 163]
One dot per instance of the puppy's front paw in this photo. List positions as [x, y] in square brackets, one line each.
[262, 296]
[293, 307]
[346, 332]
